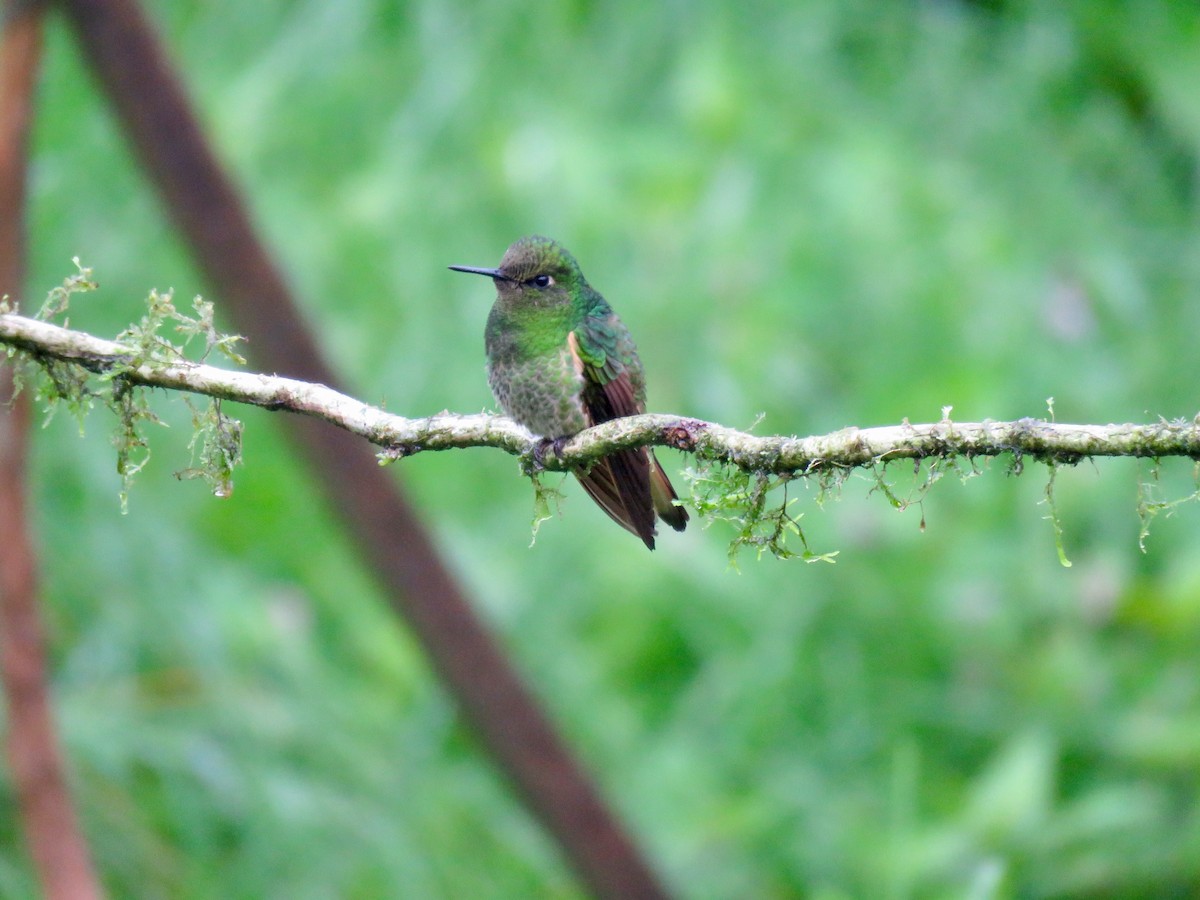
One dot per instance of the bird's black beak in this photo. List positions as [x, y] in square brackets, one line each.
[475, 270]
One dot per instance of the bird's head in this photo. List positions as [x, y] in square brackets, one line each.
[536, 271]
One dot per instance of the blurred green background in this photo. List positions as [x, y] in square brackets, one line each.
[828, 213]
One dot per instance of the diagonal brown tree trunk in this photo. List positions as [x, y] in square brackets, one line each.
[60, 854]
[130, 64]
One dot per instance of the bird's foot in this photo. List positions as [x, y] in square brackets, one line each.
[548, 445]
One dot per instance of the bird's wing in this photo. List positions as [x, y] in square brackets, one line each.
[612, 388]
[612, 385]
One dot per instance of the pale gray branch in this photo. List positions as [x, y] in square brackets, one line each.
[399, 436]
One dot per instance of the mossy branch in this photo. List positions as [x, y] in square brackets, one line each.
[736, 471]
[399, 436]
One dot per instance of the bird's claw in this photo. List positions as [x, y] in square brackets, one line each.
[546, 445]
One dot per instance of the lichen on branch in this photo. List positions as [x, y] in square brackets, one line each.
[80, 373]
[80, 368]
[400, 436]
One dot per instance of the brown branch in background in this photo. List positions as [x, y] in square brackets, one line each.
[127, 59]
[60, 855]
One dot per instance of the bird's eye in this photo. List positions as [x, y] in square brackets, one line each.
[543, 281]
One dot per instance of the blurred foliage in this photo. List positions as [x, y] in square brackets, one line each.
[828, 213]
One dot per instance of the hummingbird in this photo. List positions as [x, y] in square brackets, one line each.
[559, 361]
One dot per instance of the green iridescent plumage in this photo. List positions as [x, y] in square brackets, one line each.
[559, 361]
